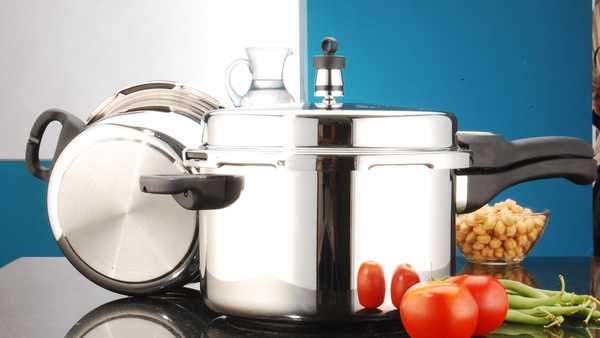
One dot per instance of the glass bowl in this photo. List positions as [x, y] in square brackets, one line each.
[499, 237]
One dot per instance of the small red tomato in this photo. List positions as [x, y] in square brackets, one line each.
[438, 309]
[371, 285]
[491, 299]
[404, 277]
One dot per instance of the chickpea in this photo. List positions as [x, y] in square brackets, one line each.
[471, 237]
[490, 222]
[507, 217]
[511, 231]
[500, 228]
[533, 235]
[499, 252]
[522, 240]
[467, 248]
[478, 246]
[484, 239]
[479, 230]
[521, 227]
[519, 252]
[460, 237]
[495, 243]
[487, 252]
[510, 244]
[463, 227]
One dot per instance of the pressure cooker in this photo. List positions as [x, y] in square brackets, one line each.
[293, 199]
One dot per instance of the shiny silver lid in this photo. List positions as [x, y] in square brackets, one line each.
[99, 215]
[351, 128]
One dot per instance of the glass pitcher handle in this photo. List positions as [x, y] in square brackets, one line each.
[235, 97]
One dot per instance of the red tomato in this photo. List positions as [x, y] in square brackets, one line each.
[371, 285]
[439, 309]
[404, 277]
[491, 299]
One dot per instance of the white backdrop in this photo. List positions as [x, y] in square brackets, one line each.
[72, 54]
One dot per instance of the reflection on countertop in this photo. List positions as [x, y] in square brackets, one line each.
[49, 288]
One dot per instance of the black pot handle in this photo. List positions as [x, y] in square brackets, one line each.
[476, 189]
[493, 151]
[196, 192]
[71, 127]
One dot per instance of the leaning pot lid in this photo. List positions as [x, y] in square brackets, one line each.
[352, 128]
[117, 236]
[146, 105]
[157, 96]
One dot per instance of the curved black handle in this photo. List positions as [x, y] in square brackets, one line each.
[482, 187]
[71, 127]
[493, 151]
[196, 192]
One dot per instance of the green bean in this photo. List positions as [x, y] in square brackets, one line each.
[522, 289]
[570, 298]
[520, 302]
[593, 314]
[516, 316]
[554, 310]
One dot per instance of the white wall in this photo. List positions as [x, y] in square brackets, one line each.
[72, 54]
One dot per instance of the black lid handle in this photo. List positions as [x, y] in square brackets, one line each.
[196, 192]
[493, 151]
[481, 187]
[71, 127]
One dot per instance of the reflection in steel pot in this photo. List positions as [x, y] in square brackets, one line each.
[181, 313]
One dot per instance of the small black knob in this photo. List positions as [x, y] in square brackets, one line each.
[329, 45]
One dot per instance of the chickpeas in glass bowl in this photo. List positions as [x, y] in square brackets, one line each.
[502, 234]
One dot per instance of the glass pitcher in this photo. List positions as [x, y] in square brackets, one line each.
[267, 87]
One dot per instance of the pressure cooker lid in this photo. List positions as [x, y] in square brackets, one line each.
[116, 235]
[352, 127]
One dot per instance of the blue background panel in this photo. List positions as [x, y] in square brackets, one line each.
[24, 222]
[518, 68]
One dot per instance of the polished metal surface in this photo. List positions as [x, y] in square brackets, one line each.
[311, 220]
[329, 85]
[95, 205]
[158, 96]
[462, 183]
[354, 126]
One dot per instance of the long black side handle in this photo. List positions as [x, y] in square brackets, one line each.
[71, 127]
[473, 190]
[196, 192]
[493, 151]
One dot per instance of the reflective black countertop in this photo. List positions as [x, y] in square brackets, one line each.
[47, 297]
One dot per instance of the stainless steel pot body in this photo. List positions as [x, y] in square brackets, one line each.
[292, 243]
